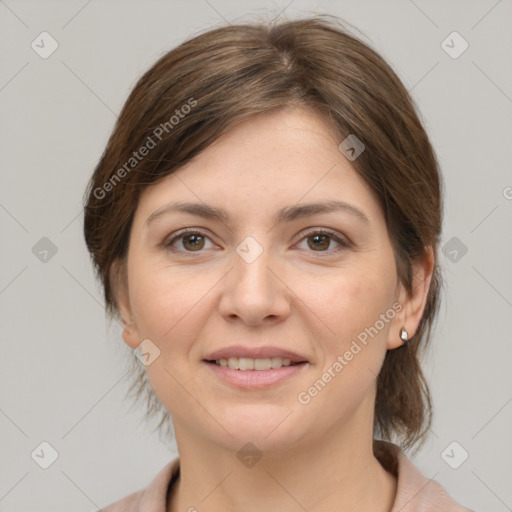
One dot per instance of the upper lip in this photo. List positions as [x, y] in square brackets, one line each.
[254, 353]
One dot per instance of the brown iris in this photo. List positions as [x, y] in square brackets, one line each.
[324, 238]
[196, 242]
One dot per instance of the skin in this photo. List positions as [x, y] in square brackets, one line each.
[300, 294]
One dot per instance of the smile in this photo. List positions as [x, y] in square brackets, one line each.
[253, 374]
[248, 363]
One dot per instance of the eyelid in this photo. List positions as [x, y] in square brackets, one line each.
[323, 231]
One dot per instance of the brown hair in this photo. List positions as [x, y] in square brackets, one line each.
[192, 94]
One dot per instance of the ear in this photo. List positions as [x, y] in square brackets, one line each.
[119, 285]
[413, 304]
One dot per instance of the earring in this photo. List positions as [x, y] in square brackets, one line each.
[403, 335]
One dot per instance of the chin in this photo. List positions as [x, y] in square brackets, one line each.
[267, 426]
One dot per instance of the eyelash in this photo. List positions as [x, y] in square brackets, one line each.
[344, 244]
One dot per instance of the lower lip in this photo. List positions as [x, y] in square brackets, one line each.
[255, 379]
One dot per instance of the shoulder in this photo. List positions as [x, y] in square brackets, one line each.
[130, 503]
[415, 492]
[151, 499]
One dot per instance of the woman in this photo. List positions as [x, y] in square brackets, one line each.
[265, 222]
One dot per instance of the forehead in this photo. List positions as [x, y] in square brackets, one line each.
[264, 163]
[276, 143]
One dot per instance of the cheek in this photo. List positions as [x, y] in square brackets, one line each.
[164, 298]
[352, 302]
[168, 307]
[357, 308]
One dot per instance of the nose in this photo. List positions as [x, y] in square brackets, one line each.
[255, 291]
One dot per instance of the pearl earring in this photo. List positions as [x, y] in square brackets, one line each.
[403, 335]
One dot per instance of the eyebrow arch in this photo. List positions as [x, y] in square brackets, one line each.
[287, 214]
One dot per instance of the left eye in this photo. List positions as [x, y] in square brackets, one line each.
[320, 241]
[317, 241]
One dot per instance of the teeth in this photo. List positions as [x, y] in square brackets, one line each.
[247, 363]
[244, 363]
[262, 364]
[276, 362]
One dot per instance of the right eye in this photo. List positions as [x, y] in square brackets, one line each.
[192, 240]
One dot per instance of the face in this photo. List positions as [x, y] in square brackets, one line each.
[308, 294]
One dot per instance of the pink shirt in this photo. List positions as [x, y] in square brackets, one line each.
[415, 493]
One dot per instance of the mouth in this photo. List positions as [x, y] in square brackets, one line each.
[255, 369]
[243, 357]
[251, 367]
[251, 364]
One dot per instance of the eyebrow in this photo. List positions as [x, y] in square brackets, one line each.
[287, 214]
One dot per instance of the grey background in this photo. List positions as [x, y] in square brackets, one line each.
[61, 366]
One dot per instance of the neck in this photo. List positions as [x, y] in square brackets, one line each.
[339, 473]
